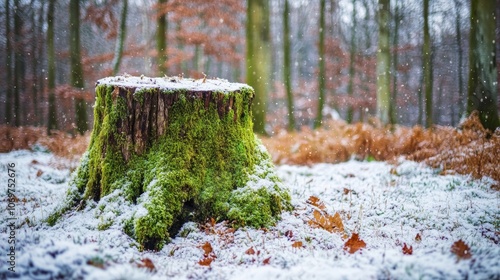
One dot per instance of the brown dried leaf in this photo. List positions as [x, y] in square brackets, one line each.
[346, 191]
[407, 250]
[297, 244]
[315, 201]
[266, 261]
[336, 223]
[418, 238]
[39, 173]
[250, 251]
[319, 217]
[354, 244]
[327, 222]
[148, 264]
[461, 249]
[207, 249]
[209, 226]
[212, 221]
[206, 261]
[313, 224]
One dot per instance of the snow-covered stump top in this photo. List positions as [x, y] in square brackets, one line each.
[173, 83]
[178, 149]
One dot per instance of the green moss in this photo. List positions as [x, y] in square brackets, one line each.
[206, 164]
[139, 95]
[103, 171]
[104, 225]
[54, 217]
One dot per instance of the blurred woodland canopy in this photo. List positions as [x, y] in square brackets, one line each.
[405, 61]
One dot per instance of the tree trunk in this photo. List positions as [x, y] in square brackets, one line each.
[180, 47]
[51, 65]
[427, 65]
[352, 57]
[19, 66]
[395, 61]
[197, 58]
[461, 95]
[34, 118]
[258, 58]
[179, 150]
[287, 66]
[40, 71]
[161, 41]
[420, 118]
[321, 75]
[76, 65]
[120, 39]
[383, 63]
[8, 66]
[482, 90]
[301, 50]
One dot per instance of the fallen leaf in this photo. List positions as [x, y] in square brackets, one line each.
[148, 264]
[336, 222]
[315, 201]
[347, 191]
[461, 249]
[289, 234]
[297, 244]
[208, 255]
[209, 226]
[407, 250]
[418, 238]
[250, 251]
[354, 244]
[39, 173]
[266, 261]
[206, 261]
[327, 222]
[207, 249]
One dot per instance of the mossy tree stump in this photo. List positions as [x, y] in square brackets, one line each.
[177, 150]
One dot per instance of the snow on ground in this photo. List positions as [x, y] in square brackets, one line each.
[388, 205]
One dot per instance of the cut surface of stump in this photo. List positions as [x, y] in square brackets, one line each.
[175, 150]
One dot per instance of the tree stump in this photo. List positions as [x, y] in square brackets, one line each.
[176, 150]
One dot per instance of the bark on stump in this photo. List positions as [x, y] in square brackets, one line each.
[176, 150]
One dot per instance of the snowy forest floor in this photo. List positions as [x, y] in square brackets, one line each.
[414, 220]
[390, 206]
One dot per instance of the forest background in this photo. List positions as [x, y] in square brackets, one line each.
[313, 51]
